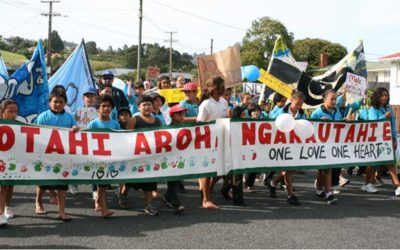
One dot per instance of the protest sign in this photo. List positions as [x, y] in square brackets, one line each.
[84, 115]
[355, 87]
[275, 84]
[152, 73]
[175, 95]
[225, 63]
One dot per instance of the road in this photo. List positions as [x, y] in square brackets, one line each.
[358, 220]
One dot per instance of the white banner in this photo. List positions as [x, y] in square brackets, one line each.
[33, 155]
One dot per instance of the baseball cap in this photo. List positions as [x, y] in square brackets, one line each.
[190, 86]
[176, 108]
[122, 109]
[89, 90]
[107, 73]
[154, 95]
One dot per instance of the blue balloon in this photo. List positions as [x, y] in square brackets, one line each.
[251, 72]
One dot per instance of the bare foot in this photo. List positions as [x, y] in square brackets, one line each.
[106, 213]
[209, 205]
[63, 217]
[40, 209]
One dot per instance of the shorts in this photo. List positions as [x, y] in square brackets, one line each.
[57, 187]
[146, 186]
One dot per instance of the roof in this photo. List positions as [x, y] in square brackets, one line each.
[378, 66]
[116, 71]
[175, 74]
[394, 56]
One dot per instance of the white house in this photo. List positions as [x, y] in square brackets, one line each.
[394, 76]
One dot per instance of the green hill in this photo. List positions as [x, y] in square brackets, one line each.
[11, 58]
[100, 65]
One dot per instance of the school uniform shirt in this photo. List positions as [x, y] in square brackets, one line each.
[264, 114]
[274, 112]
[211, 109]
[50, 118]
[363, 114]
[379, 113]
[193, 108]
[97, 123]
[355, 106]
[286, 110]
[321, 112]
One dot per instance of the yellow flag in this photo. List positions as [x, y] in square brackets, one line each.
[275, 84]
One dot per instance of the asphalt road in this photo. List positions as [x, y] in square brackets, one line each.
[358, 220]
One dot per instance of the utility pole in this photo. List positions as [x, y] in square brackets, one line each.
[140, 41]
[212, 43]
[50, 14]
[170, 51]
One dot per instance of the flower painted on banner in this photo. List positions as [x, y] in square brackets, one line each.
[164, 163]
[57, 168]
[2, 166]
[156, 167]
[38, 165]
[24, 168]
[65, 174]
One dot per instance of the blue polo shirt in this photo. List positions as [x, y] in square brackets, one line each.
[97, 123]
[193, 108]
[50, 118]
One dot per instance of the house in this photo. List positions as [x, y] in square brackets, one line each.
[392, 76]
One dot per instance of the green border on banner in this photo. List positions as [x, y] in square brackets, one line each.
[309, 167]
[102, 182]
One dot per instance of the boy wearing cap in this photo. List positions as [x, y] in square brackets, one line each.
[191, 103]
[170, 198]
[87, 113]
[107, 78]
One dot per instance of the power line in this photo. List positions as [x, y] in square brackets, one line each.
[200, 17]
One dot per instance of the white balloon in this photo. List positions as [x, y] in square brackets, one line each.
[304, 129]
[285, 123]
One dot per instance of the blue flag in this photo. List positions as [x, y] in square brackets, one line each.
[3, 68]
[28, 86]
[75, 75]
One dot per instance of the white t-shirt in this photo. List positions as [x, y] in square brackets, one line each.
[211, 109]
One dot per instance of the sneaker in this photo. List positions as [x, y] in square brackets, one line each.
[272, 191]
[3, 220]
[343, 182]
[179, 209]
[293, 200]
[73, 189]
[369, 188]
[8, 213]
[320, 195]
[94, 195]
[150, 210]
[166, 202]
[123, 201]
[335, 191]
[397, 192]
[330, 199]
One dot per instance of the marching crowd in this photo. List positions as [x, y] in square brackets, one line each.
[119, 110]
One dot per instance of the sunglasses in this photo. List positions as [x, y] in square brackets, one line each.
[106, 77]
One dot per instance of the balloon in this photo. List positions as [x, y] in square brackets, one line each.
[251, 72]
[285, 123]
[304, 129]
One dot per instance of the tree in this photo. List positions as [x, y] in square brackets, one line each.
[259, 41]
[310, 49]
[91, 48]
[57, 45]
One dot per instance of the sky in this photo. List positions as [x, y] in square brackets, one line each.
[115, 23]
